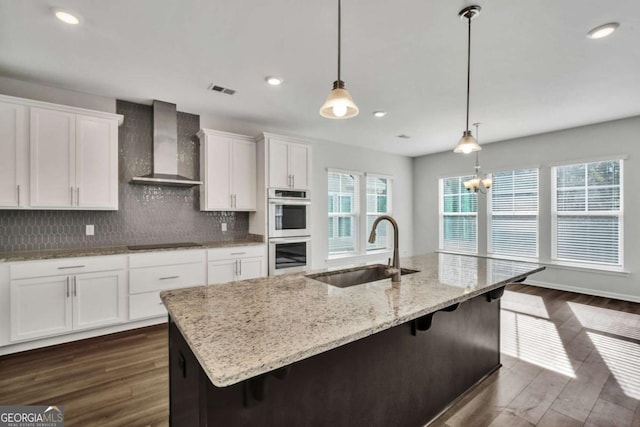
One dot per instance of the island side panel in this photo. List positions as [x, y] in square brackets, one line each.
[389, 378]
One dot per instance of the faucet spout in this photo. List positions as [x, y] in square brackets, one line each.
[395, 278]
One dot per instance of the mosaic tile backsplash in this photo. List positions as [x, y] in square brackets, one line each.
[146, 215]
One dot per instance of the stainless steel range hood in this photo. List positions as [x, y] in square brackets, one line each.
[165, 149]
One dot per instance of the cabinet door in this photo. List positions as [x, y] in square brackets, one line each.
[218, 174]
[98, 299]
[299, 165]
[251, 268]
[40, 307]
[222, 271]
[96, 163]
[243, 174]
[278, 164]
[52, 158]
[13, 155]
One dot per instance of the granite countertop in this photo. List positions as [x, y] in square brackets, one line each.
[243, 329]
[115, 250]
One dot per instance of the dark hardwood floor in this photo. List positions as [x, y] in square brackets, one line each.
[568, 360]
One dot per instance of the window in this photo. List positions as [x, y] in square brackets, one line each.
[587, 213]
[343, 212]
[513, 213]
[379, 203]
[458, 216]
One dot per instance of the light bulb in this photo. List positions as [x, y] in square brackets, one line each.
[466, 149]
[66, 16]
[340, 109]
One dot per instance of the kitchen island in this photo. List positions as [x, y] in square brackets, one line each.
[291, 350]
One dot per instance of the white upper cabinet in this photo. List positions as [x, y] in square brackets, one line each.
[14, 152]
[52, 158]
[228, 171]
[96, 162]
[289, 164]
[57, 157]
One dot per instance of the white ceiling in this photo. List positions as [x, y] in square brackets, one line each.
[533, 68]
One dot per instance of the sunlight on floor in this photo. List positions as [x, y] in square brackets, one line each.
[525, 304]
[605, 320]
[623, 360]
[534, 340]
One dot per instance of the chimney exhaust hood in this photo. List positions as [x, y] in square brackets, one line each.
[165, 150]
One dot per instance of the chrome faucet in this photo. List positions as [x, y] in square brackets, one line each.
[395, 270]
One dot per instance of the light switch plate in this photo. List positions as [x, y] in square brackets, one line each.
[224, 226]
[90, 230]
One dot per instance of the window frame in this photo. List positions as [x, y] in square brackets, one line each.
[355, 215]
[442, 214]
[389, 210]
[609, 213]
[514, 213]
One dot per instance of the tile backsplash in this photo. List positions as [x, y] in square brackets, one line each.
[146, 215]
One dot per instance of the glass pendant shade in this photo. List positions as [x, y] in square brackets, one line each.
[467, 144]
[487, 183]
[339, 104]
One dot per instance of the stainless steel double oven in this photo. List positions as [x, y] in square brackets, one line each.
[289, 231]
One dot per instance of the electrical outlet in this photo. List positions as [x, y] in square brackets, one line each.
[90, 230]
[224, 226]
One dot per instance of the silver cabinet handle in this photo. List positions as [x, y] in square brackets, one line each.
[236, 272]
[75, 286]
[77, 196]
[68, 279]
[240, 265]
[169, 277]
[293, 181]
[71, 192]
[70, 266]
[18, 194]
[238, 253]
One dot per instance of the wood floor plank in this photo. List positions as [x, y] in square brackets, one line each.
[612, 392]
[581, 393]
[556, 419]
[509, 419]
[607, 414]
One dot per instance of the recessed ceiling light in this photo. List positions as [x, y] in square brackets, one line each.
[379, 114]
[603, 30]
[66, 16]
[274, 81]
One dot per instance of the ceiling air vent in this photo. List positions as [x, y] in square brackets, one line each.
[403, 136]
[221, 89]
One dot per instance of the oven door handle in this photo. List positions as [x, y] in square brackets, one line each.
[294, 240]
[289, 202]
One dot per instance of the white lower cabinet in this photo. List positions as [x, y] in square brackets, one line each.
[239, 263]
[153, 272]
[53, 305]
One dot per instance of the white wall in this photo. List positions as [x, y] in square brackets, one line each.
[583, 143]
[40, 92]
[341, 156]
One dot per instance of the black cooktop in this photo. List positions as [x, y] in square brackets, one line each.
[163, 246]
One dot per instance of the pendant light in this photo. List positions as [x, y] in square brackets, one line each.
[339, 104]
[477, 183]
[468, 143]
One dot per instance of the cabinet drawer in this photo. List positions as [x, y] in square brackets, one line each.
[153, 259]
[146, 305]
[166, 277]
[67, 266]
[236, 252]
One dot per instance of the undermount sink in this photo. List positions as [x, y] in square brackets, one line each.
[357, 276]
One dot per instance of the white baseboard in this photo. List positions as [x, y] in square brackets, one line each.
[60, 339]
[585, 291]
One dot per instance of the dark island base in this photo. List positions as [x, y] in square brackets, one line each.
[403, 376]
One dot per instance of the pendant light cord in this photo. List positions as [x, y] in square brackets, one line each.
[468, 66]
[339, 35]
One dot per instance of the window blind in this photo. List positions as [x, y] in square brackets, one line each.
[587, 212]
[513, 213]
[458, 216]
[379, 203]
[343, 212]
